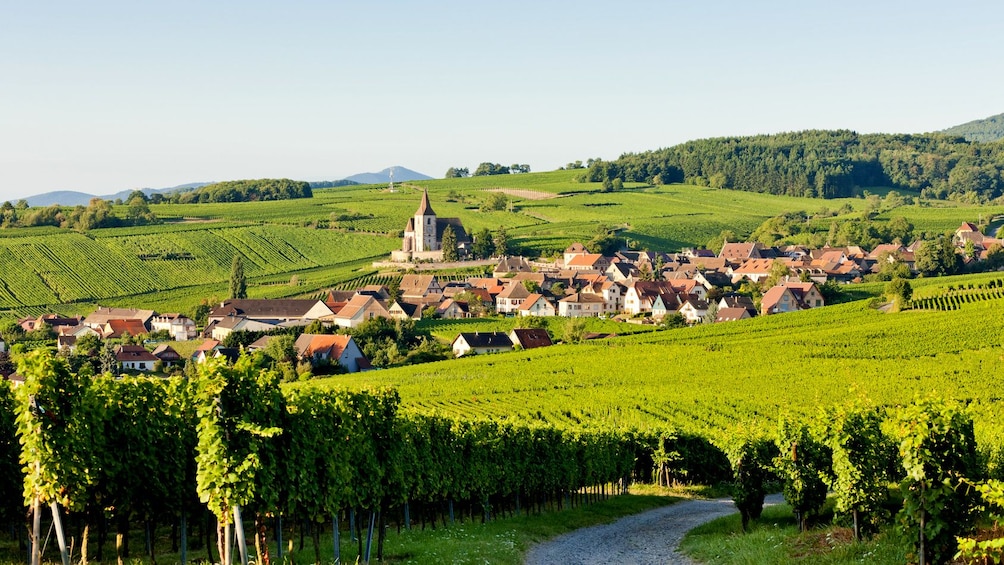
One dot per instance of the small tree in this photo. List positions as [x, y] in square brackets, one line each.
[238, 283]
[899, 292]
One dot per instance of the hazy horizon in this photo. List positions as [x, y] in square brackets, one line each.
[105, 97]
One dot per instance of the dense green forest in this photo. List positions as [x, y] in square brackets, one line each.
[825, 164]
[248, 191]
[987, 129]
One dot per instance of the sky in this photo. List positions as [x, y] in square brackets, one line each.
[106, 96]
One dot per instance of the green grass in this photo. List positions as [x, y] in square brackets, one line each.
[502, 541]
[775, 539]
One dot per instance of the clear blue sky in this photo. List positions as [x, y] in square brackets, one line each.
[106, 96]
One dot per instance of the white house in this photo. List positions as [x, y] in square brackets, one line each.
[536, 305]
[581, 305]
[135, 358]
[341, 349]
[179, 326]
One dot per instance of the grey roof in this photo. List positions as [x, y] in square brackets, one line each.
[486, 339]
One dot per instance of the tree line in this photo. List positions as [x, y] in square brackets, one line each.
[246, 191]
[97, 214]
[822, 164]
[487, 169]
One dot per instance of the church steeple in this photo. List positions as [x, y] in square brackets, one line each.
[426, 233]
[423, 207]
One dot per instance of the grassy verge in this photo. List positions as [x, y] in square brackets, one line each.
[502, 541]
[775, 539]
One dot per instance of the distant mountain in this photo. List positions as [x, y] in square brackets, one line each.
[62, 197]
[987, 129]
[331, 183]
[401, 174]
[73, 198]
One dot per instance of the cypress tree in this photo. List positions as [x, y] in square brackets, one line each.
[238, 284]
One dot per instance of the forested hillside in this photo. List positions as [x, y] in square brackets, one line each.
[824, 164]
[987, 129]
[248, 191]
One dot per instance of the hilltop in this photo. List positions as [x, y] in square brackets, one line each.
[987, 129]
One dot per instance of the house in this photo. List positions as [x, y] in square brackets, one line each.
[622, 271]
[611, 292]
[423, 235]
[115, 329]
[361, 308]
[530, 338]
[581, 305]
[421, 288]
[135, 358]
[536, 305]
[3, 345]
[167, 355]
[754, 270]
[588, 262]
[511, 265]
[791, 296]
[55, 322]
[401, 310]
[741, 251]
[179, 326]
[640, 295]
[450, 309]
[221, 329]
[207, 347]
[689, 286]
[664, 303]
[807, 293]
[273, 312]
[509, 300]
[480, 343]
[737, 301]
[693, 310]
[101, 316]
[779, 300]
[732, 314]
[573, 251]
[338, 348]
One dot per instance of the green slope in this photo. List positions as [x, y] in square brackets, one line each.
[321, 240]
[707, 378]
[987, 129]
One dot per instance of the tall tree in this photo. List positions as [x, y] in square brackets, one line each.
[483, 246]
[450, 245]
[501, 241]
[238, 283]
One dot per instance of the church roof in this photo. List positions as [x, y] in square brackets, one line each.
[424, 209]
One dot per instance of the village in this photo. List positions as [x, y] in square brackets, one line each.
[694, 286]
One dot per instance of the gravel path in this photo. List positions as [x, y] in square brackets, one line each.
[648, 538]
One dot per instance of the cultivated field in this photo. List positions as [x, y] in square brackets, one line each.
[707, 379]
[299, 247]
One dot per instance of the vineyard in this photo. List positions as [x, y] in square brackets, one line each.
[69, 268]
[189, 254]
[475, 439]
[953, 298]
[704, 379]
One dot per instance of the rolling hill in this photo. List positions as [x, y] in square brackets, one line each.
[987, 129]
[298, 247]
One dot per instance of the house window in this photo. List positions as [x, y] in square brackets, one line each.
[142, 365]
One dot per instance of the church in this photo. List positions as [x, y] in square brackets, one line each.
[423, 236]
